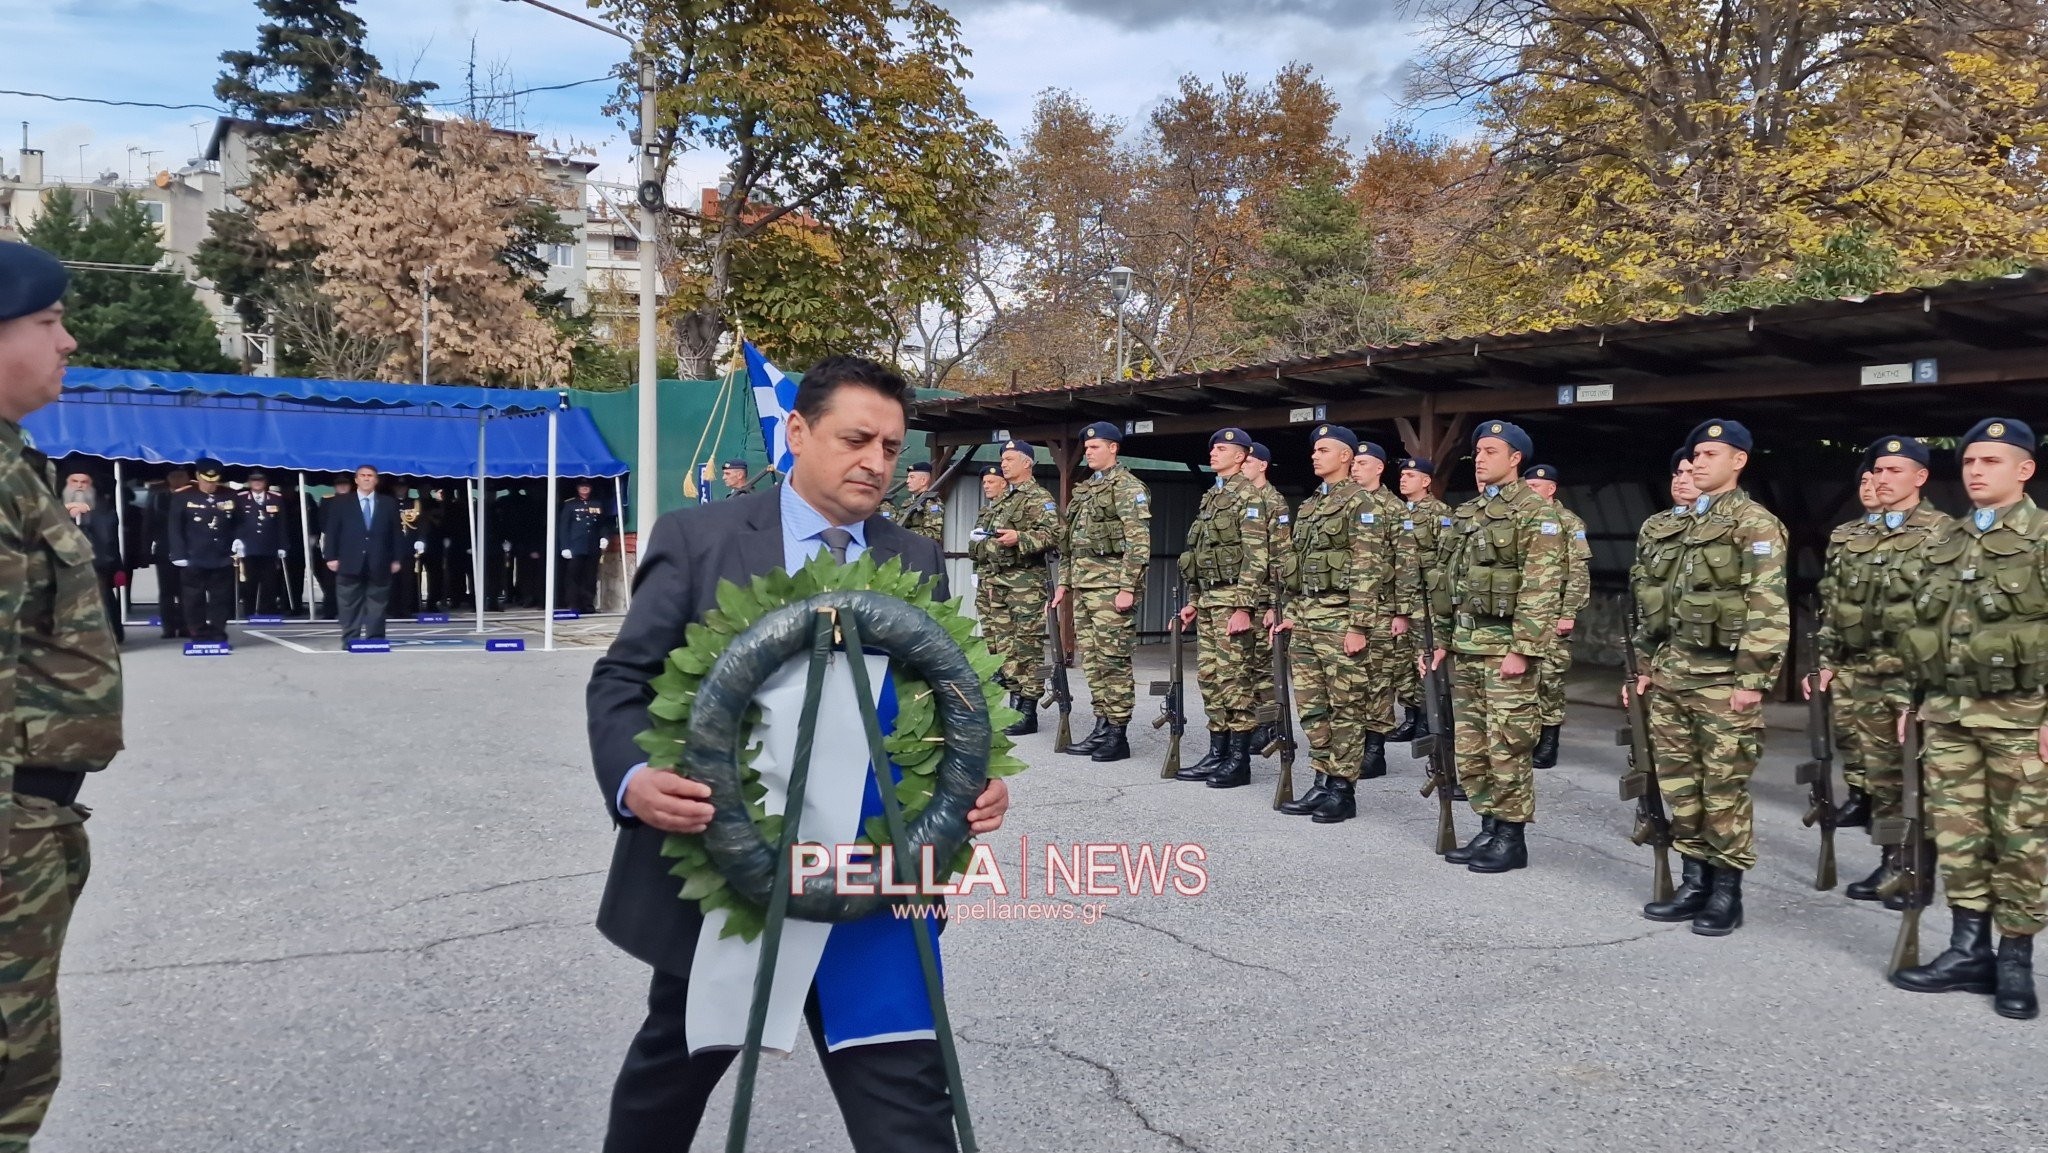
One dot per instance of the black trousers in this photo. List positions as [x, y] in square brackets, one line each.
[405, 590]
[579, 581]
[324, 577]
[892, 1097]
[170, 599]
[209, 599]
[262, 585]
[362, 600]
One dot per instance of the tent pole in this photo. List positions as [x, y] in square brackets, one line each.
[483, 497]
[306, 546]
[121, 533]
[619, 507]
[547, 630]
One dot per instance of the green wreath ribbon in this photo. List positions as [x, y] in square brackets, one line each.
[913, 746]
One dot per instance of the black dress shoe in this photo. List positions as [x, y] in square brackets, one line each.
[1966, 966]
[1307, 802]
[1691, 897]
[1236, 770]
[1722, 914]
[1507, 850]
[1114, 746]
[1374, 764]
[1086, 745]
[1339, 804]
[1545, 754]
[1462, 855]
[1219, 750]
[1854, 811]
[2016, 980]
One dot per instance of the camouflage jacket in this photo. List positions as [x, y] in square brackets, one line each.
[922, 513]
[1662, 532]
[1281, 519]
[1503, 567]
[60, 672]
[1108, 542]
[1871, 565]
[1335, 564]
[1401, 591]
[1229, 556]
[1035, 515]
[1578, 566]
[1425, 520]
[1974, 636]
[1712, 599]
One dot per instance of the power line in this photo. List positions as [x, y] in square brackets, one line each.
[522, 92]
[112, 103]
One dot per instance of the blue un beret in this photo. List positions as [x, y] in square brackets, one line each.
[920, 466]
[1232, 436]
[1421, 464]
[30, 280]
[1368, 448]
[2001, 430]
[1904, 446]
[1261, 452]
[1679, 457]
[741, 464]
[1507, 433]
[1336, 432]
[1017, 446]
[1728, 432]
[1541, 472]
[1103, 430]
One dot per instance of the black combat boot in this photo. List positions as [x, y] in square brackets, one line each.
[2016, 979]
[1411, 719]
[1545, 754]
[1029, 724]
[1507, 850]
[1086, 745]
[1966, 966]
[1854, 813]
[1262, 739]
[1374, 766]
[1458, 794]
[1236, 771]
[1924, 896]
[1339, 804]
[1722, 914]
[1691, 897]
[1463, 853]
[1307, 802]
[1114, 746]
[1219, 751]
[1867, 888]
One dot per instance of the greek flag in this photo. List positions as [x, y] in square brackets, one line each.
[774, 397]
[704, 483]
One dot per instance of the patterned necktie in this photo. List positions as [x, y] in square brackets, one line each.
[366, 510]
[837, 539]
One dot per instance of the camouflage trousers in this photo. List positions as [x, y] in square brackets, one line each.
[1330, 689]
[1847, 749]
[1867, 709]
[1013, 624]
[1494, 722]
[1987, 800]
[1550, 682]
[1407, 681]
[1384, 656]
[1103, 639]
[1264, 698]
[1230, 668]
[1705, 757]
[40, 879]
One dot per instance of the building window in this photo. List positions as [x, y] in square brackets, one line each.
[625, 246]
[556, 255]
[154, 209]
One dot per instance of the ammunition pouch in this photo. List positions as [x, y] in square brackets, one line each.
[1489, 591]
[1709, 621]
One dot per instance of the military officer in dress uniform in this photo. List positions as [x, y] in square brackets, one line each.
[1104, 555]
[407, 596]
[1424, 520]
[922, 511]
[1255, 468]
[202, 550]
[260, 545]
[1387, 649]
[1578, 589]
[581, 539]
[1228, 568]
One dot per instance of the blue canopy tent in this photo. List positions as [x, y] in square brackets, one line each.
[441, 431]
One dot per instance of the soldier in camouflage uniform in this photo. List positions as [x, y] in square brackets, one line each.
[1869, 562]
[1711, 637]
[921, 511]
[1280, 517]
[1012, 538]
[1425, 517]
[1975, 641]
[1578, 589]
[1334, 565]
[62, 681]
[1228, 569]
[1496, 610]
[1103, 559]
[1387, 649]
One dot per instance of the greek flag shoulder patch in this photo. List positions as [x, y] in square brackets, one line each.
[1409, 525]
[1446, 521]
[1760, 548]
[1550, 528]
[1284, 518]
[1052, 506]
[1579, 534]
[1251, 512]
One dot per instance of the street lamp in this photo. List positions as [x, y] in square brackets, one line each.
[1119, 279]
[646, 482]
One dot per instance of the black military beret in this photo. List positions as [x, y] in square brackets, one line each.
[258, 474]
[1017, 446]
[1728, 432]
[1103, 430]
[1904, 446]
[1506, 432]
[1261, 452]
[1421, 464]
[991, 470]
[1541, 472]
[738, 464]
[1231, 436]
[30, 280]
[2001, 430]
[1680, 456]
[921, 466]
[1373, 450]
[207, 470]
[1338, 433]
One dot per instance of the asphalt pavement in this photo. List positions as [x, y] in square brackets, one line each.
[344, 903]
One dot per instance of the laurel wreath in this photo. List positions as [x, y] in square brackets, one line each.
[915, 746]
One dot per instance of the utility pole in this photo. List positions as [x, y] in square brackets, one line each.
[426, 321]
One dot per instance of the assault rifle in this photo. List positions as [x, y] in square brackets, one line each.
[1639, 783]
[1818, 773]
[1282, 713]
[1911, 887]
[1062, 693]
[1173, 710]
[1439, 747]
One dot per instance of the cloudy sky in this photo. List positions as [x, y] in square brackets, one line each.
[1120, 55]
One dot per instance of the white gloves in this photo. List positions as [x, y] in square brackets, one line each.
[238, 549]
[506, 545]
[566, 556]
[280, 554]
[419, 547]
[181, 563]
[603, 543]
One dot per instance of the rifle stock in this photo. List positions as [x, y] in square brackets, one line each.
[1173, 709]
[1906, 834]
[1056, 640]
[1439, 748]
[1639, 783]
[1818, 773]
[1283, 709]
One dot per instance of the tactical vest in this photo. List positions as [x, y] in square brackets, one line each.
[1215, 552]
[1320, 561]
[1875, 570]
[1704, 595]
[1489, 580]
[1657, 556]
[1094, 525]
[1979, 624]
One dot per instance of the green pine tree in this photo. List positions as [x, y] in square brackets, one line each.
[126, 319]
[1316, 291]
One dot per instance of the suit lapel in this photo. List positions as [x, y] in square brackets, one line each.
[882, 540]
[761, 548]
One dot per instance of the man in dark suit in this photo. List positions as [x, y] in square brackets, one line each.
[846, 434]
[361, 545]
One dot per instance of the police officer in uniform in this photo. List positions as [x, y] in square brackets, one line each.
[1104, 555]
[406, 595]
[1972, 637]
[1387, 650]
[1280, 516]
[202, 550]
[1578, 589]
[1503, 574]
[1424, 520]
[922, 511]
[1713, 629]
[1014, 534]
[580, 538]
[169, 585]
[1228, 568]
[260, 545]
